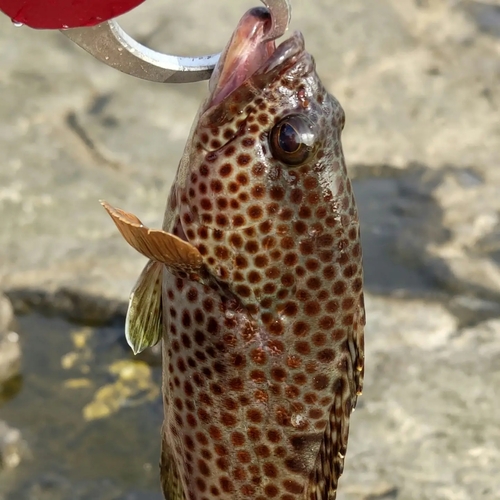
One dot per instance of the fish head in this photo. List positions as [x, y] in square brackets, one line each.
[263, 174]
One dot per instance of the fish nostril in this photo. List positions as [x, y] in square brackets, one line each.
[263, 14]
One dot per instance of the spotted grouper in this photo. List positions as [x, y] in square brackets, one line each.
[254, 285]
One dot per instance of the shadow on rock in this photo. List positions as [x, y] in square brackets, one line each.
[399, 220]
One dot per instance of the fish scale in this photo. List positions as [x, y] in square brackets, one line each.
[262, 326]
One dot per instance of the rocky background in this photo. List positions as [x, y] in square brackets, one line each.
[420, 84]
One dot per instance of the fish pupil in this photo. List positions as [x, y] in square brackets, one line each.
[289, 140]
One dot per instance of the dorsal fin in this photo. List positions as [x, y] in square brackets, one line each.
[171, 483]
[330, 461]
[155, 244]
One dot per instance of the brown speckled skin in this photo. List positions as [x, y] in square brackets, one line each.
[263, 351]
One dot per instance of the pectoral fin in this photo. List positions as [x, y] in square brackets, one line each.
[143, 325]
[155, 244]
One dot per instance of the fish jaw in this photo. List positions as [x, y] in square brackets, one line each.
[247, 50]
[289, 61]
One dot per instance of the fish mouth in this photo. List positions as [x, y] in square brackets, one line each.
[250, 53]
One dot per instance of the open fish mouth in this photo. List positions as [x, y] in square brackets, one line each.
[250, 52]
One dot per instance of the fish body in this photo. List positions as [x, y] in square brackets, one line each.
[262, 326]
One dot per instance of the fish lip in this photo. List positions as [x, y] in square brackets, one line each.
[250, 53]
[245, 52]
[289, 60]
[285, 56]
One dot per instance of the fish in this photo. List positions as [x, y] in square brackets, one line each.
[254, 284]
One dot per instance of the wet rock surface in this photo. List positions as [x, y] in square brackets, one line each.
[58, 487]
[89, 414]
[419, 83]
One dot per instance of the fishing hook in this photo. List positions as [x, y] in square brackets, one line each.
[109, 43]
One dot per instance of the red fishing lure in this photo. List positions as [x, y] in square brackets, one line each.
[62, 14]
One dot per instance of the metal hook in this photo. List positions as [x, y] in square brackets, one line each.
[108, 43]
[281, 13]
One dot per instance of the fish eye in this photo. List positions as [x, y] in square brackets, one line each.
[292, 140]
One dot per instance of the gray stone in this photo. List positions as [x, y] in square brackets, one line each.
[10, 349]
[427, 423]
[13, 448]
[6, 314]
